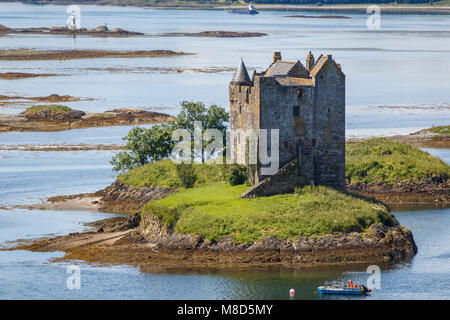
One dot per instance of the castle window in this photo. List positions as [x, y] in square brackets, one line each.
[286, 145]
[240, 109]
[296, 111]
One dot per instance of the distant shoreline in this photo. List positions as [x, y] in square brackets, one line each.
[385, 8]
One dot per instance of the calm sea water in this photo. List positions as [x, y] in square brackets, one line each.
[30, 275]
[404, 66]
[397, 82]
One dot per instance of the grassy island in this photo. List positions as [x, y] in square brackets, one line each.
[382, 161]
[216, 210]
[213, 208]
[441, 130]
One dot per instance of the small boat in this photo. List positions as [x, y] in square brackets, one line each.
[348, 284]
[251, 10]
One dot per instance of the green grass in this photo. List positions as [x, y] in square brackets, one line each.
[380, 160]
[213, 208]
[216, 210]
[163, 173]
[54, 108]
[440, 129]
[377, 160]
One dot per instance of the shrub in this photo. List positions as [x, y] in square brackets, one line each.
[187, 174]
[237, 175]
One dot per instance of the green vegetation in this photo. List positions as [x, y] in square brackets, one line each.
[164, 174]
[377, 160]
[440, 129]
[384, 161]
[213, 208]
[53, 108]
[153, 144]
[216, 210]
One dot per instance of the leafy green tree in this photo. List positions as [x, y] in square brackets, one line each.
[143, 146]
[153, 144]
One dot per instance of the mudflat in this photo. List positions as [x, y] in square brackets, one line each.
[30, 54]
[46, 120]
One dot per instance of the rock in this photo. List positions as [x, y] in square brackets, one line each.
[4, 28]
[119, 197]
[58, 29]
[49, 115]
[100, 29]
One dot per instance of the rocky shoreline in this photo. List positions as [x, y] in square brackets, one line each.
[46, 120]
[100, 31]
[30, 54]
[421, 139]
[434, 191]
[149, 244]
[103, 31]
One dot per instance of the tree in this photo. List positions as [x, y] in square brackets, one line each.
[153, 144]
[143, 146]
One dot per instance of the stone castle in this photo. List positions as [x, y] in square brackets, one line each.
[307, 104]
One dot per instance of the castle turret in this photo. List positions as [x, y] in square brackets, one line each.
[241, 75]
[309, 61]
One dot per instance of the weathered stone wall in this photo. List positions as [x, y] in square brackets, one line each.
[314, 133]
[329, 126]
[244, 114]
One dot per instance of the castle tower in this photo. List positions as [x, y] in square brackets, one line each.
[307, 105]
